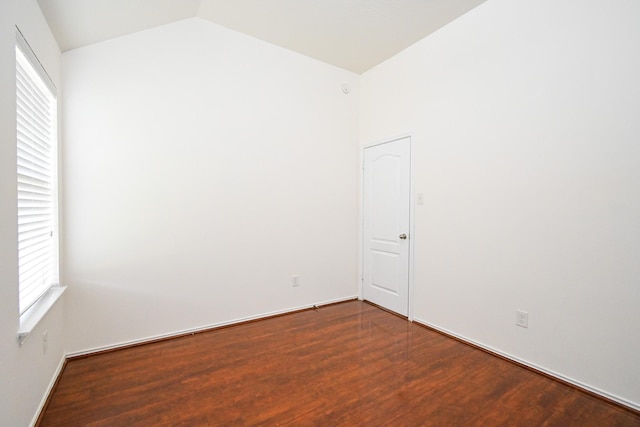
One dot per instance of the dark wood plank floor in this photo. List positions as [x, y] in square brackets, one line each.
[349, 364]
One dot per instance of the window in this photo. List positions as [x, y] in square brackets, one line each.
[36, 107]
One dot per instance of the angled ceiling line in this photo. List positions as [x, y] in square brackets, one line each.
[355, 35]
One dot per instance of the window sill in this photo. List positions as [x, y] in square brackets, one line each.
[30, 318]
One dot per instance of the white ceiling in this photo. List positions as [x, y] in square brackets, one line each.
[351, 34]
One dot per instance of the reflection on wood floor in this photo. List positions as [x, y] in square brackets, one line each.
[349, 364]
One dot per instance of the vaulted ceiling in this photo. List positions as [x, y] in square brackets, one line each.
[351, 34]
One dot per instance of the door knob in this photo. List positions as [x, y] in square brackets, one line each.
[403, 236]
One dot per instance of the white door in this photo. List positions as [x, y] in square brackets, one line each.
[387, 182]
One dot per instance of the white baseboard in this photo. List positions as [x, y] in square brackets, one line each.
[204, 328]
[579, 384]
[49, 390]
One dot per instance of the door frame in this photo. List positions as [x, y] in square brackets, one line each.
[411, 218]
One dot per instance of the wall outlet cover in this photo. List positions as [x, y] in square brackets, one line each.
[522, 318]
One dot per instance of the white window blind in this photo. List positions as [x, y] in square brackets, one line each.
[36, 147]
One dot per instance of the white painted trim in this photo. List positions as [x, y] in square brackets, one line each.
[48, 391]
[361, 226]
[549, 372]
[205, 327]
[30, 318]
[386, 141]
[412, 227]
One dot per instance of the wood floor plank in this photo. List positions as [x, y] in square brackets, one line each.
[348, 364]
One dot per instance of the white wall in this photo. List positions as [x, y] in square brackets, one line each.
[203, 168]
[526, 122]
[25, 371]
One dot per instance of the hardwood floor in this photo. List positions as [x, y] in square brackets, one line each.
[349, 364]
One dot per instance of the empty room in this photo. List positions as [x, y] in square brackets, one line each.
[319, 212]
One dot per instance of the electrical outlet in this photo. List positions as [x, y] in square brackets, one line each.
[522, 318]
[295, 281]
[45, 342]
